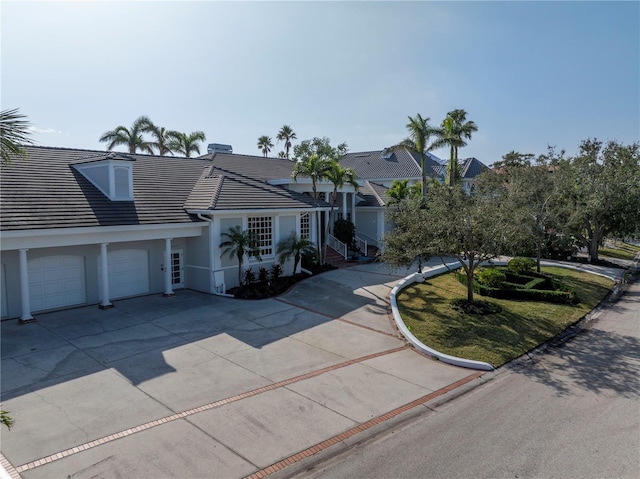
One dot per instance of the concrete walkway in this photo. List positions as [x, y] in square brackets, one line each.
[202, 386]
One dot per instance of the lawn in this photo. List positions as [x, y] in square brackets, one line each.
[493, 338]
[620, 250]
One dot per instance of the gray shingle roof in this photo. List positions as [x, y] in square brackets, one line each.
[400, 163]
[471, 167]
[372, 194]
[45, 191]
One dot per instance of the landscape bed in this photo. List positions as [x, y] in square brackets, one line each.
[499, 337]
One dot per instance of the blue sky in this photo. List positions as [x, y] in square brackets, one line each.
[528, 73]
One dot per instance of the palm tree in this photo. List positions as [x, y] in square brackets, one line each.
[454, 130]
[265, 144]
[241, 242]
[420, 133]
[131, 138]
[14, 131]
[296, 247]
[286, 134]
[400, 190]
[163, 138]
[314, 167]
[339, 176]
[184, 144]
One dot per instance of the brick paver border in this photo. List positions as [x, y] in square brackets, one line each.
[321, 446]
[184, 414]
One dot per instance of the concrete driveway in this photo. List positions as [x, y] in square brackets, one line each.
[204, 386]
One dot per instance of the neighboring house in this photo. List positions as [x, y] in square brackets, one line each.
[377, 170]
[86, 227]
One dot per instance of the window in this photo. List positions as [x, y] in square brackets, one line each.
[305, 226]
[121, 182]
[262, 226]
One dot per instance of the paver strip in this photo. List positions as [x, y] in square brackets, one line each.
[310, 451]
[189, 412]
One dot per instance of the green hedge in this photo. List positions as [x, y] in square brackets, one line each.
[561, 294]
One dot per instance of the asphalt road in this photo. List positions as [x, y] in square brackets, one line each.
[572, 412]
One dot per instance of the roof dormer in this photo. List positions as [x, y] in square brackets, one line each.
[111, 174]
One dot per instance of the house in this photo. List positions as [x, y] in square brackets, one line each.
[377, 170]
[89, 227]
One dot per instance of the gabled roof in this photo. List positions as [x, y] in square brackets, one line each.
[471, 167]
[372, 194]
[386, 164]
[45, 191]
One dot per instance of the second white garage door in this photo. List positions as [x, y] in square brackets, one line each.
[128, 272]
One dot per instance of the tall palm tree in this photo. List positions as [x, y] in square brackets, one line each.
[241, 242]
[453, 132]
[339, 176]
[314, 167]
[184, 144]
[294, 246]
[163, 138]
[131, 138]
[265, 144]
[420, 133]
[286, 134]
[14, 131]
[400, 189]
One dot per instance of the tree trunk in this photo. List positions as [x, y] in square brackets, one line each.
[424, 178]
[538, 255]
[593, 248]
[470, 285]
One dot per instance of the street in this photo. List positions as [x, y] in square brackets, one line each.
[571, 412]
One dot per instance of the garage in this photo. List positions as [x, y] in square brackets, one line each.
[128, 272]
[56, 281]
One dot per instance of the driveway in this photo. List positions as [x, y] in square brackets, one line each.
[203, 386]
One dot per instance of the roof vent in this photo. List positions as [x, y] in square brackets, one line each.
[219, 148]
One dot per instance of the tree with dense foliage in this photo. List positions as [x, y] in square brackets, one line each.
[286, 134]
[529, 194]
[240, 243]
[472, 229]
[14, 133]
[294, 246]
[131, 138]
[339, 176]
[184, 144]
[600, 192]
[265, 144]
[454, 130]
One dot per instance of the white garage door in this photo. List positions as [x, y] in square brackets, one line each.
[56, 281]
[128, 272]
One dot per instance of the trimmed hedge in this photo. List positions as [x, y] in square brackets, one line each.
[559, 294]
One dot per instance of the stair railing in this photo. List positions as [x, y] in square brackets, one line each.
[337, 245]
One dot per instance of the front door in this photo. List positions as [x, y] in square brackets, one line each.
[177, 269]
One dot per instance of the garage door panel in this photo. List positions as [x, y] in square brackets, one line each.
[128, 272]
[56, 281]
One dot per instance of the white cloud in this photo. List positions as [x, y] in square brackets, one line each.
[47, 131]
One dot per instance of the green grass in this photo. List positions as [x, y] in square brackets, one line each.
[494, 338]
[620, 250]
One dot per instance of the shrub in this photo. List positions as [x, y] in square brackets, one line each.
[249, 276]
[491, 277]
[276, 271]
[521, 265]
[263, 274]
[345, 231]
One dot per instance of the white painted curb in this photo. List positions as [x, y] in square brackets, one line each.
[445, 358]
[419, 278]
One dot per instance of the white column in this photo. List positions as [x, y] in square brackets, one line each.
[168, 291]
[344, 205]
[105, 304]
[24, 288]
[353, 208]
